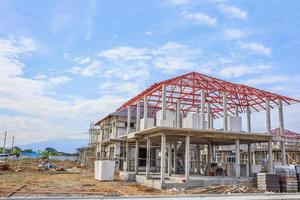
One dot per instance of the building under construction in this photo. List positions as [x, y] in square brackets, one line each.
[166, 136]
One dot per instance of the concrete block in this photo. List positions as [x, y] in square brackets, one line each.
[235, 123]
[104, 170]
[150, 123]
[169, 121]
[192, 120]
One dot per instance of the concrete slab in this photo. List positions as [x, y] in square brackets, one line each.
[178, 181]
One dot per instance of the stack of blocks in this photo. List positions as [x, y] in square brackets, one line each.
[288, 184]
[268, 182]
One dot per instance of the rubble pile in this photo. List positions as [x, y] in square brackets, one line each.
[225, 189]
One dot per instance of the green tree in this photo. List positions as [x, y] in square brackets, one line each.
[49, 151]
[16, 150]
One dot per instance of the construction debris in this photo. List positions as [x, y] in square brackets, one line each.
[16, 190]
[4, 166]
[224, 189]
[74, 180]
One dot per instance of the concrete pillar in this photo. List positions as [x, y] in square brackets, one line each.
[148, 157]
[178, 114]
[163, 158]
[208, 116]
[268, 125]
[237, 111]
[253, 157]
[209, 152]
[248, 119]
[175, 157]
[281, 127]
[211, 121]
[145, 111]
[270, 153]
[202, 109]
[169, 158]
[164, 102]
[127, 164]
[225, 117]
[249, 159]
[198, 155]
[187, 158]
[128, 119]
[136, 164]
[268, 116]
[237, 159]
[138, 116]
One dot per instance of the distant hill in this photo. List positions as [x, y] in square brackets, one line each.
[62, 145]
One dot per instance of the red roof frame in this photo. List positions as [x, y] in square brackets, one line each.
[188, 88]
[286, 134]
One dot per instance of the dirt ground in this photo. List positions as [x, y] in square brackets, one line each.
[25, 178]
[75, 180]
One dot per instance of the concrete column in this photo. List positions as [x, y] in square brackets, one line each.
[281, 127]
[212, 121]
[270, 153]
[145, 111]
[237, 159]
[136, 165]
[138, 116]
[127, 165]
[164, 102]
[187, 158]
[148, 157]
[163, 158]
[236, 111]
[202, 109]
[178, 114]
[128, 119]
[268, 116]
[169, 158]
[208, 116]
[253, 157]
[248, 119]
[225, 117]
[268, 125]
[198, 158]
[175, 157]
[209, 152]
[249, 160]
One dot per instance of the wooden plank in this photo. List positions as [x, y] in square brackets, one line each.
[16, 190]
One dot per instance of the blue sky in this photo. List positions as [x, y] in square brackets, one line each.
[64, 64]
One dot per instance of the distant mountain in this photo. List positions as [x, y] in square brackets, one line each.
[62, 145]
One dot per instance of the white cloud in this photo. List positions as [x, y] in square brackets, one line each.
[255, 47]
[241, 70]
[148, 33]
[55, 81]
[174, 56]
[200, 18]
[233, 11]
[13, 48]
[232, 34]
[83, 60]
[41, 116]
[269, 79]
[125, 53]
[128, 88]
[178, 2]
[90, 70]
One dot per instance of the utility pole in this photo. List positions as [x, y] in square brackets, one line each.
[3, 151]
[12, 144]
